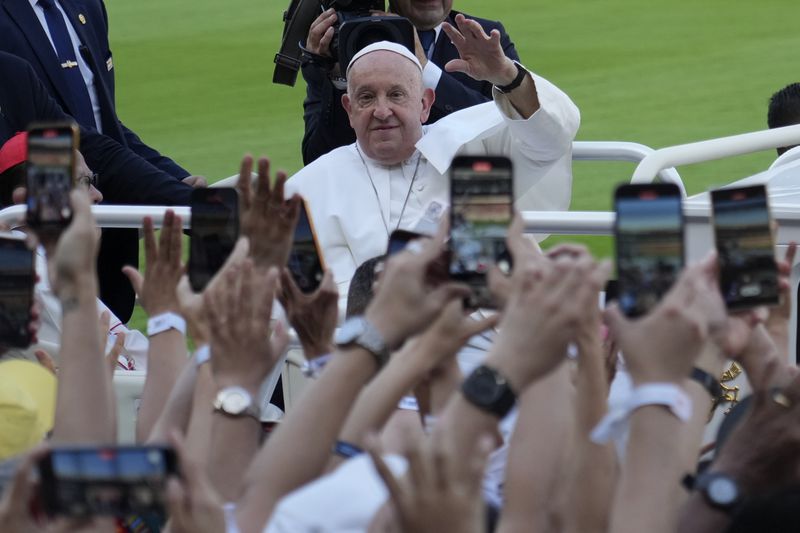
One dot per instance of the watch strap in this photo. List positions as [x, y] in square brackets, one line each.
[368, 338]
[502, 399]
[164, 322]
[521, 73]
[708, 382]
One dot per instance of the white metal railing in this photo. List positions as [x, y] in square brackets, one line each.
[698, 152]
[621, 151]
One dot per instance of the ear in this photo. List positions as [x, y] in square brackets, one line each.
[347, 108]
[428, 96]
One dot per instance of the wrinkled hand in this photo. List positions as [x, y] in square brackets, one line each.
[313, 316]
[664, 344]
[320, 33]
[266, 219]
[74, 260]
[164, 268]
[239, 308]
[406, 300]
[193, 504]
[195, 182]
[440, 491]
[762, 452]
[481, 55]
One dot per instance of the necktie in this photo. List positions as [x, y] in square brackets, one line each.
[426, 38]
[80, 106]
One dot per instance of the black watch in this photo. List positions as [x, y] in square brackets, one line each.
[486, 389]
[720, 490]
[708, 382]
[521, 73]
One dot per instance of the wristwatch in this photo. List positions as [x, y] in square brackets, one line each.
[720, 490]
[521, 73]
[486, 389]
[236, 402]
[359, 331]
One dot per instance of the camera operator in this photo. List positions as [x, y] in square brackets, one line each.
[326, 123]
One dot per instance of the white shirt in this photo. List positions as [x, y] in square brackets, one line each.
[86, 72]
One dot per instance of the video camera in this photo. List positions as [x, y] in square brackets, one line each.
[356, 28]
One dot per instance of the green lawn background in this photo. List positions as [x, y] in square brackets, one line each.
[194, 78]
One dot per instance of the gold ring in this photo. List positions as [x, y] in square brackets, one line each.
[781, 399]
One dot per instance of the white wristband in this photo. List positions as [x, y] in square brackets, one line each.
[165, 321]
[313, 368]
[202, 355]
[670, 395]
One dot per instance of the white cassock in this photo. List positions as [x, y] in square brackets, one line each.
[356, 202]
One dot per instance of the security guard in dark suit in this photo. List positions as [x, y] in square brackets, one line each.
[66, 43]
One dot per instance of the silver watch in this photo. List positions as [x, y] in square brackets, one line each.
[236, 402]
[359, 331]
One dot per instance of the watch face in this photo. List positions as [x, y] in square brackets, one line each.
[723, 491]
[484, 387]
[234, 400]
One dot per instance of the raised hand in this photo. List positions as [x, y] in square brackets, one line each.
[265, 217]
[239, 309]
[320, 33]
[74, 260]
[313, 316]
[163, 266]
[440, 491]
[407, 299]
[663, 345]
[481, 55]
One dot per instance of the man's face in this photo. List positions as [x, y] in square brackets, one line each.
[387, 105]
[423, 14]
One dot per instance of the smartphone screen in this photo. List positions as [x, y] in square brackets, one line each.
[748, 274]
[51, 175]
[17, 278]
[649, 243]
[305, 259]
[214, 230]
[481, 208]
[399, 239]
[111, 481]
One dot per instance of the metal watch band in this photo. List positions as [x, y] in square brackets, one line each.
[521, 73]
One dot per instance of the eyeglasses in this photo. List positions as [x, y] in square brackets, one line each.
[87, 180]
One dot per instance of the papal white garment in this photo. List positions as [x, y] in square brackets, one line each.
[353, 219]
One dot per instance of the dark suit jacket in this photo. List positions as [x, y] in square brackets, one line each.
[23, 36]
[24, 99]
[327, 125]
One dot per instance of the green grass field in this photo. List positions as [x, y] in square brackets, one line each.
[194, 78]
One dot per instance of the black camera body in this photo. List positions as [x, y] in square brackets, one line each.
[355, 29]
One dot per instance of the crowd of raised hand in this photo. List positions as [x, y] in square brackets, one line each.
[344, 459]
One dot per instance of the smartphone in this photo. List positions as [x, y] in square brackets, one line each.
[399, 239]
[111, 481]
[748, 274]
[214, 231]
[481, 208]
[305, 260]
[50, 175]
[17, 278]
[649, 244]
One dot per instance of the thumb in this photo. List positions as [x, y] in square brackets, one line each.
[457, 65]
[446, 292]
[476, 326]
[615, 320]
[135, 278]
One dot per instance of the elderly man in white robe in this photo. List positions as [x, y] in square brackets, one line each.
[396, 173]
